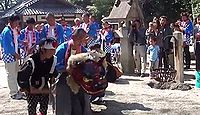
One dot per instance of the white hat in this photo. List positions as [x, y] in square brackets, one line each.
[48, 43]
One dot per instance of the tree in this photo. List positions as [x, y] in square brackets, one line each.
[82, 3]
[195, 8]
[101, 8]
[150, 8]
[98, 8]
[170, 8]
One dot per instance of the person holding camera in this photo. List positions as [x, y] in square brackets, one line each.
[139, 47]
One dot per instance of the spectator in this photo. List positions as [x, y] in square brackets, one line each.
[67, 29]
[53, 29]
[106, 37]
[10, 55]
[153, 52]
[187, 28]
[29, 37]
[197, 42]
[163, 41]
[77, 22]
[91, 27]
[139, 50]
[152, 30]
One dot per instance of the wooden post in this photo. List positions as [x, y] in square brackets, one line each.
[126, 57]
[178, 56]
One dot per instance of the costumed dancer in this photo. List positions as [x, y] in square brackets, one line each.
[42, 66]
[68, 102]
[98, 98]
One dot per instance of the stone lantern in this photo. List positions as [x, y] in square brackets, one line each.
[123, 12]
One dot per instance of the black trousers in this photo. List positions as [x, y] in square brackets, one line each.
[34, 99]
[186, 54]
[197, 55]
[108, 57]
[163, 58]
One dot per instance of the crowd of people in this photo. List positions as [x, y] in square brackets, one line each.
[154, 46]
[50, 46]
[45, 49]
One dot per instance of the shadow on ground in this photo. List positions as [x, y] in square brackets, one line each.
[125, 80]
[118, 108]
[110, 93]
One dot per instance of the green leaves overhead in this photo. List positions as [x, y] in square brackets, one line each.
[170, 8]
[151, 8]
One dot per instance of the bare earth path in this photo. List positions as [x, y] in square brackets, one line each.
[128, 96]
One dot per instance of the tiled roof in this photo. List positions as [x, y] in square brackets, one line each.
[33, 7]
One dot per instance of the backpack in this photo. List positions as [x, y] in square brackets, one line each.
[24, 77]
[24, 73]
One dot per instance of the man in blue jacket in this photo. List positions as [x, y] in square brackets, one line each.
[10, 54]
[187, 28]
[28, 37]
[68, 103]
[53, 29]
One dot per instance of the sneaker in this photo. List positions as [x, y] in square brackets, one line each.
[16, 96]
[100, 101]
[142, 75]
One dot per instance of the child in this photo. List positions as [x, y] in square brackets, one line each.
[153, 51]
[43, 68]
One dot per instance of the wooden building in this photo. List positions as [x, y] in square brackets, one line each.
[39, 8]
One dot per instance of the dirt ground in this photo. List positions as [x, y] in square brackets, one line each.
[128, 96]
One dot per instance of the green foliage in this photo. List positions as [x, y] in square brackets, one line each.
[150, 8]
[98, 8]
[101, 8]
[170, 8]
[82, 3]
[195, 7]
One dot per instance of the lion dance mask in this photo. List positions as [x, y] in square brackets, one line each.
[87, 71]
